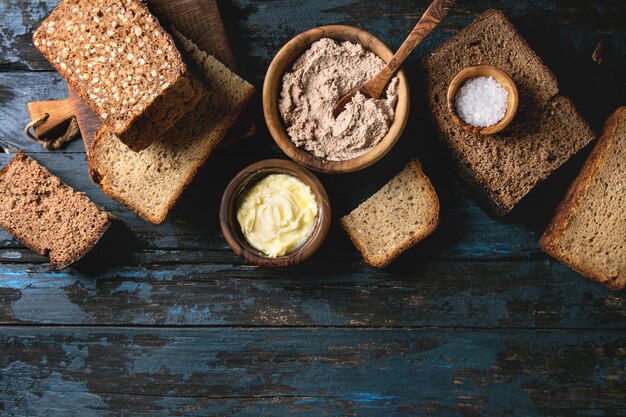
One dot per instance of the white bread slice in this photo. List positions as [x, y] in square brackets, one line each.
[150, 182]
[588, 232]
[402, 213]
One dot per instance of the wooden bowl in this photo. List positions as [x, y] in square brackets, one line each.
[283, 62]
[249, 176]
[484, 71]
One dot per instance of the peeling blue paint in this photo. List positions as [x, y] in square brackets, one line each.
[11, 255]
[191, 315]
[76, 355]
[320, 311]
[142, 290]
[34, 306]
[370, 397]
[169, 360]
[31, 391]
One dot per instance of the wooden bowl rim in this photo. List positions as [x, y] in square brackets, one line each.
[244, 179]
[283, 61]
[484, 70]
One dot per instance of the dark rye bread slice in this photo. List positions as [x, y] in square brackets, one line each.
[546, 132]
[150, 182]
[588, 231]
[122, 63]
[398, 216]
[46, 215]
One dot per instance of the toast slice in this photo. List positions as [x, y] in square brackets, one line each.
[398, 216]
[547, 131]
[122, 63]
[150, 182]
[46, 215]
[588, 232]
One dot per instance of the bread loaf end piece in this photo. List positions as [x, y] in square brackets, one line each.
[122, 63]
[398, 216]
[46, 215]
[588, 231]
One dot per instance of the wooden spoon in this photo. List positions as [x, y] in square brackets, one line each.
[374, 87]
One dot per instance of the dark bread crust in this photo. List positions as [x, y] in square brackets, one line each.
[416, 167]
[31, 241]
[161, 113]
[541, 98]
[571, 202]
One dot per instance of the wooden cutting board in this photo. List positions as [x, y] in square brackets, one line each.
[198, 20]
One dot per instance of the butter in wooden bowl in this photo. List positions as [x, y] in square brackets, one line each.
[277, 214]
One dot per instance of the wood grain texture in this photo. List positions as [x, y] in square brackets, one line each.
[269, 372]
[476, 321]
[200, 21]
[55, 115]
[206, 288]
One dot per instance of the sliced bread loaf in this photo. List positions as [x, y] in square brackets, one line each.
[151, 181]
[546, 132]
[588, 232]
[46, 215]
[395, 218]
[122, 63]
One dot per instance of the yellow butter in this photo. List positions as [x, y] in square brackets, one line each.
[277, 214]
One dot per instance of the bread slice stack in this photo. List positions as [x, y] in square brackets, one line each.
[122, 63]
[546, 132]
[588, 231]
[151, 181]
[46, 215]
[159, 121]
[398, 216]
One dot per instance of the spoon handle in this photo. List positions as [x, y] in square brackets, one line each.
[430, 19]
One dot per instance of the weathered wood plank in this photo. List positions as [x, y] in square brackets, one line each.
[473, 294]
[243, 372]
[18, 20]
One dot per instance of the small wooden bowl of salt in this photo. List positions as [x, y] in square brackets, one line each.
[482, 99]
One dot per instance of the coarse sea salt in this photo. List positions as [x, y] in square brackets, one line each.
[481, 102]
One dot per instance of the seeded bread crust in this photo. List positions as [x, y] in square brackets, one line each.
[570, 205]
[25, 234]
[122, 63]
[198, 133]
[347, 224]
[503, 168]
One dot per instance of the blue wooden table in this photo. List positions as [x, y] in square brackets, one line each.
[166, 320]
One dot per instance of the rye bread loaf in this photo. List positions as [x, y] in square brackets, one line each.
[588, 231]
[122, 63]
[546, 132]
[46, 215]
[150, 182]
[398, 216]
